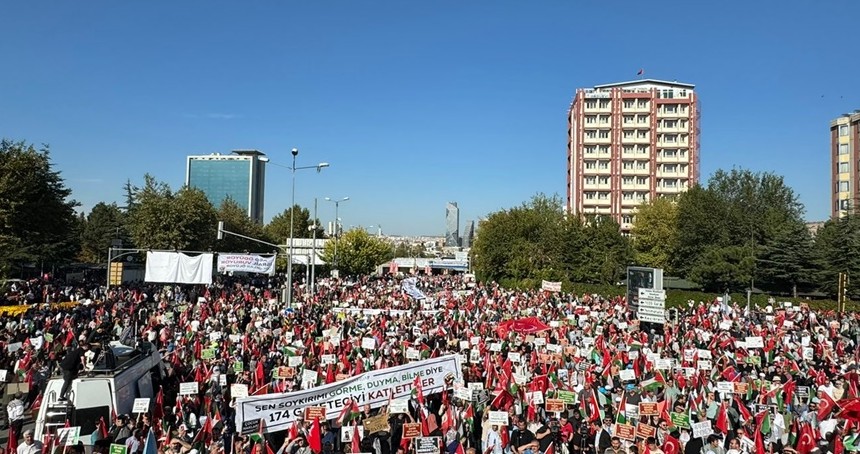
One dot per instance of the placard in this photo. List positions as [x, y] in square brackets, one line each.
[188, 388]
[464, 345]
[568, 397]
[310, 376]
[754, 342]
[648, 409]
[374, 424]
[68, 436]
[475, 386]
[726, 325]
[312, 413]
[742, 387]
[680, 420]
[346, 433]
[499, 418]
[554, 405]
[463, 393]
[704, 354]
[644, 431]
[808, 353]
[702, 429]
[411, 430]
[515, 357]
[427, 445]
[496, 347]
[294, 361]
[118, 449]
[399, 406]
[704, 365]
[238, 390]
[625, 431]
[536, 397]
[725, 387]
[207, 353]
[368, 343]
[627, 375]
[325, 360]
[412, 353]
[141, 405]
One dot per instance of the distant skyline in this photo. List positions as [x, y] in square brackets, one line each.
[413, 104]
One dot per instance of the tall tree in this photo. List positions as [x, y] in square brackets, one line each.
[236, 220]
[278, 229]
[37, 217]
[655, 233]
[162, 219]
[837, 250]
[786, 261]
[103, 224]
[357, 252]
[607, 252]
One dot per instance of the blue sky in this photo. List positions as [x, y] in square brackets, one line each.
[413, 103]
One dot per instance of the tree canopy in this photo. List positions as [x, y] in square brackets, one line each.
[37, 215]
[104, 224]
[357, 252]
[278, 229]
[236, 220]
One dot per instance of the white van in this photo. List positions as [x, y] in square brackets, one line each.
[99, 393]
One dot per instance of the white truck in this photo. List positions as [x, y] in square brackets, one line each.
[99, 393]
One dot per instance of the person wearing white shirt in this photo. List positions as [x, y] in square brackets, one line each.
[493, 442]
[29, 446]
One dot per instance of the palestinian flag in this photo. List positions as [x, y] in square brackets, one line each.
[621, 416]
[469, 417]
[349, 413]
[590, 409]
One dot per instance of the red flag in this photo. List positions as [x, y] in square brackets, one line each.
[807, 439]
[671, 445]
[850, 409]
[315, 436]
[742, 409]
[356, 443]
[723, 419]
[825, 405]
[103, 430]
[158, 409]
[294, 431]
[504, 436]
[259, 375]
[416, 388]
[12, 446]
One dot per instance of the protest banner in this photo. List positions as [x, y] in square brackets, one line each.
[554, 405]
[644, 430]
[625, 432]
[411, 430]
[648, 409]
[372, 388]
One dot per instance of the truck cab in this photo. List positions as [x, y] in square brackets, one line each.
[103, 392]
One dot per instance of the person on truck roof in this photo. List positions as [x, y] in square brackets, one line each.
[71, 364]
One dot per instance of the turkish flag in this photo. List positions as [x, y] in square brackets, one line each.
[671, 445]
[825, 405]
[807, 439]
[850, 409]
[530, 325]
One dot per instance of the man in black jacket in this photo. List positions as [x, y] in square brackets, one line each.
[70, 365]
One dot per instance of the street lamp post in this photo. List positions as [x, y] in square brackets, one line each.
[314, 227]
[293, 168]
[336, 224]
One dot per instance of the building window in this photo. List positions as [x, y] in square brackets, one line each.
[603, 165]
[590, 119]
[603, 134]
[670, 108]
[682, 153]
[641, 134]
[627, 196]
[670, 123]
[843, 130]
[667, 93]
[843, 186]
[627, 180]
[642, 119]
[682, 93]
[643, 149]
[843, 148]
[628, 149]
[604, 103]
[604, 149]
[591, 134]
[843, 167]
[603, 195]
[590, 180]
[589, 195]
[590, 104]
[589, 164]
[670, 183]
[628, 134]
[642, 104]
[590, 149]
[843, 204]
[628, 103]
[628, 119]
[670, 138]
[641, 180]
[627, 165]
[669, 168]
[641, 165]
[670, 153]
[603, 119]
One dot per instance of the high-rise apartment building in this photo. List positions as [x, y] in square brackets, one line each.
[468, 234]
[240, 176]
[845, 159]
[628, 143]
[452, 225]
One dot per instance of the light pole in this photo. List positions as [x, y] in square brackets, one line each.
[293, 168]
[314, 228]
[336, 224]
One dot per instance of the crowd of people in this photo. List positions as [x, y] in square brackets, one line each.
[574, 373]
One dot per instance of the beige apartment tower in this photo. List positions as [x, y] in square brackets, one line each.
[845, 156]
[628, 143]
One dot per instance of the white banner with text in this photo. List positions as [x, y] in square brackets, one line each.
[246, 263]
[374, 388]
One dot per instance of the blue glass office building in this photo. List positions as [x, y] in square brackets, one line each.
[240, 176]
